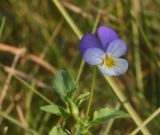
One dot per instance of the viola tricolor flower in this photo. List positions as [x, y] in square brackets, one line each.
[104, 49]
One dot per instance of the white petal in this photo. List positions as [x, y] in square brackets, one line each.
[107, 71]
[120, 67]
[94, 56]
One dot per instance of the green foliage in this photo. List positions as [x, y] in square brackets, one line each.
[65, 87]
[105, 114]
[64, 84]
[100, 116]
[55, 109]
[57, 131]
[81, 98]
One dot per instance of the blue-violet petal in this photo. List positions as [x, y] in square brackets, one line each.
[89, 41]
[106, 35]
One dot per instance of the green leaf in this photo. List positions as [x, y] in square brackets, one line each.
[55, 109]
[106, 114]
[64, 84]
[81, 98]
[57, 131]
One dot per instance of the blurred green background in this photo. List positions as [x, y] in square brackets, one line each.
[50, 44]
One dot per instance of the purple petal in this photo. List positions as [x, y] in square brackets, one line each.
[88, 41]
[94, 56]
[116, 48]
[120, 67]
[106, 35]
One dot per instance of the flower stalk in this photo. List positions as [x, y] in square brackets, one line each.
[91, 92]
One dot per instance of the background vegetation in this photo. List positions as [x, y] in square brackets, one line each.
[36, 41]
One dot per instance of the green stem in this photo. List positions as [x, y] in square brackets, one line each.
[91, 93]
[80, 71]
[2, 25]
[70, 108]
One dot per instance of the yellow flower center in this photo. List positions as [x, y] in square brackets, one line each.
[109, 61]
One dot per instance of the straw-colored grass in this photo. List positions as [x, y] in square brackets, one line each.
[37, 38]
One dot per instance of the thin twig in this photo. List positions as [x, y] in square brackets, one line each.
[12, 120]
[8, 80]
[23, 75]
[27, 56]
[11, 106]
[77, 10]
[21, 116]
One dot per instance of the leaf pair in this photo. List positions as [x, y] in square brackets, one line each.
[65, 86]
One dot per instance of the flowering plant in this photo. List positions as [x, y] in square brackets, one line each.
[104, 50]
